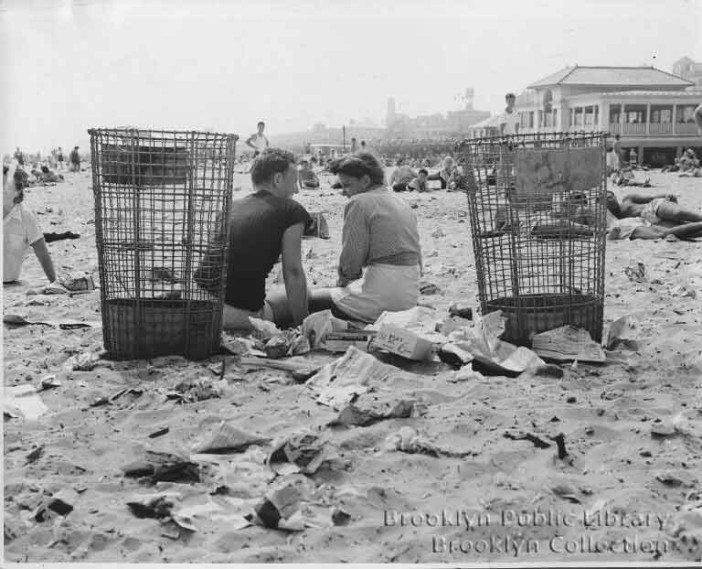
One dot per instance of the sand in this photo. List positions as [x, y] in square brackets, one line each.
[403, 507]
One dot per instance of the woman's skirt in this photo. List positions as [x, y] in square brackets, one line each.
[383, 287]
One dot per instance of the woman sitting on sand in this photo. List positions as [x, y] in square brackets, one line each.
[445, 174]
[379, 265]
[20, 228]
[650, 217]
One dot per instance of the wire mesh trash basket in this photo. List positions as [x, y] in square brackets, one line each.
[537, 207]
[162, 200]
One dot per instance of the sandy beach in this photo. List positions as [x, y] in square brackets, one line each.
[629, 492]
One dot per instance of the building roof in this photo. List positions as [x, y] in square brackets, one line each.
[691, 94]
[612, 76]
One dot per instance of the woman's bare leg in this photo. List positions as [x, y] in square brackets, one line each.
[670, 211]
[687, 230]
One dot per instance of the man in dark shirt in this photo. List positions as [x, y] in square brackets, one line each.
[263, 225]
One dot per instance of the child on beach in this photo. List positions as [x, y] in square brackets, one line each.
[419, 184]
[20, 228]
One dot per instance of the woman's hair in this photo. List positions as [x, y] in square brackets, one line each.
[21, 179]
[360, 164]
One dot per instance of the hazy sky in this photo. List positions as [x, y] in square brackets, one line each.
[70, 65]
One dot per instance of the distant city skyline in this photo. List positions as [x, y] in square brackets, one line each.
[70, 65]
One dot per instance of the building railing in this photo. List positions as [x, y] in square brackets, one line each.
[635, 128]
[660, 128]
[685, 128]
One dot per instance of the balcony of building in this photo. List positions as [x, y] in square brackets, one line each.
[643, 120]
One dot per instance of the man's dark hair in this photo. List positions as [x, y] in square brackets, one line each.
[510, 96]
[270, 162]
[259, 123]
[616, 136]
[423, 171]
[21, 179]
[358, 165]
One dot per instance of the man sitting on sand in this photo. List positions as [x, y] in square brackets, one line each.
[263, 225]
[307, 178]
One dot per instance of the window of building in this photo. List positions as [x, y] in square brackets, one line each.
[615, 113]
[531, 119]
[578, 116]
[661, 114]
[589, 115]
[634, 114]
[686, 113]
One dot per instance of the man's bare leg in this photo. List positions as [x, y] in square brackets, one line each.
[670, 211]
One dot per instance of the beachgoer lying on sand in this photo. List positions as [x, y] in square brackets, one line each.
[401, 176]
[20, 228]
[380, 261]
[654, 209]
[262, 226]
[307, 178]
[625, 177]
[419, 184]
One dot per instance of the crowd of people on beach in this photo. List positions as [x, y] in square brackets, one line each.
[380, 261]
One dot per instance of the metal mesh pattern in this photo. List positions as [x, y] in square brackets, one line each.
[537, 208]
[162, 199]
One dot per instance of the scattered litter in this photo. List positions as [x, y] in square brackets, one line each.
[339, 382]
[35, 454]
[536, 441]
[228, 439]
[86, 361]
[276, 347]
[428, 288]
[663, 430]
[15, 320]
[549, 370]
[673, 480]
[409, 333]
[491, 355]
[565, 492]
[157, 507]
[48, 382]
[559, 439]
[239, 346]
[223, 513]
[281, 508]
[636, 273]
[301, 452]
[684, 290]
[368, 410]
[466, 373]
[301, 370]
[341, 341]
[568, 343]
[409, 441]
[163, 467]
[455, 356]
[461, 310]
[25, 400]
[56, 505]
[317, 325]
[263, 329]
[617, 332]
[159, 433]
[438, 232]
[193, 390]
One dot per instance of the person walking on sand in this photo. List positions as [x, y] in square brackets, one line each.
[75, 159]
[60, 159]
[20, 228]
[509, 119]
[258, 140]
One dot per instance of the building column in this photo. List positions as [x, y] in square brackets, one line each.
[640, 156]
[648, 119]
[604, 116]
[675, 117]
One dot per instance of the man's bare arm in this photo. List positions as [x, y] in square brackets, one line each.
[294, 274]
